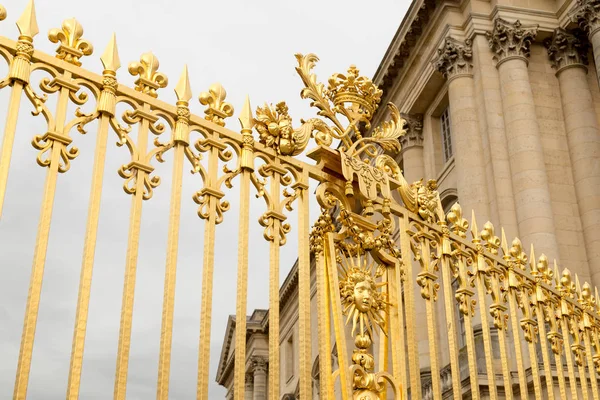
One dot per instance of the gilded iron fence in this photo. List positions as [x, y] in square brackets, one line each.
[393, 271]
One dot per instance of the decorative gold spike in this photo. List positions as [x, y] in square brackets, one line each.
[183, 89]
[72, 46]
[532, 261]
[556, 275]
[218, 109]
[597, 308]
[110, 57]
[504, 243]
[150, 80]
[27, 23]
[246, 119]
[577, 286]
[474, 230]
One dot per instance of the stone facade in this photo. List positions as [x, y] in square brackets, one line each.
[513, 84]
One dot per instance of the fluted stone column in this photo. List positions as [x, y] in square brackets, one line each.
[249, 387]
[412, 148]
[510, 43]
[568, 54]
[587, 14]
[454, 61]
[260, 378]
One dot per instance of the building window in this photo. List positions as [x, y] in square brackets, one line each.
[446, 134]
[289, 357]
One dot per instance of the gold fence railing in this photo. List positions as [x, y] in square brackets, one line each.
[434, 306]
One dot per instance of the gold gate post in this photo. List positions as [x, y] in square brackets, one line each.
[136, 172]
[587, 302]
[247, 167]
[180, 141]
[55, 141]
[106, 111]
[20, 70]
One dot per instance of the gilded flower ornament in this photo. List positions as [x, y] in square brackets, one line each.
[72, 46]
[218, 109]
[149, 79]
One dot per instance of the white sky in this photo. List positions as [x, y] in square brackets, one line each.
[247, 46]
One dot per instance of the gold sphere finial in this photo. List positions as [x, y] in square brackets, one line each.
[2, 13]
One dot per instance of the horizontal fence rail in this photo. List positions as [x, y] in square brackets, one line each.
[410, 302]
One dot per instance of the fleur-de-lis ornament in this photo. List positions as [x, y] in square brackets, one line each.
[150, 80]
[218, 109]
[72, 46]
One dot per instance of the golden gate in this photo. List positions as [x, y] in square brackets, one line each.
[385, 252]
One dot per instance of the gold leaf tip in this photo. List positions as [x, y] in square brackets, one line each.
[504, 243]
[27, 23]
[532, 257]
[183, 89]
[2, 13]
[474, 230]
[246, 119]
[110, 58]
[577, 285]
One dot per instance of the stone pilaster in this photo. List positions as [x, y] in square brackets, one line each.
[568, 55]
[510, 43]
[586, 13]
[454, 61]
[412, 147]
[249, 387]
[260, 378]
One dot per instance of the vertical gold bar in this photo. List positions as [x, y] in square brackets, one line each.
[537, 386]
[570, 367]
[338, 323]
[208, 262]
[444, 248]
[411, 320]
[133, 243]
[428, 293]
[487, 337]
[166, 332]
[9, 137]
[87, 265]
[555, 339]
[505, 362]
[469, 336]
[512, 306]
[274, 296]
[396, 316]
[242, 288]
[590, 361]
[41, 246]
[324, 322]
[304, 309]
[580, 363]
[545, 354]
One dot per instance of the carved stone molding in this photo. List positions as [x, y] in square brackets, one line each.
[567, 49]
[454, 58]
[586, 14]
[259, 364]
[414, 131]
[511, 40]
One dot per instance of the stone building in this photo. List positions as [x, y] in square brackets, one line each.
[503, 107]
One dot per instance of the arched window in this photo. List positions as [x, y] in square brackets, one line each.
[448, 197]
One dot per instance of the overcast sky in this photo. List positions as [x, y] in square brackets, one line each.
[249, 47]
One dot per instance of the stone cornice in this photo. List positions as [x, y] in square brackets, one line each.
[414, 131]
[567, 49]
[586, 14]
[454, 58]
[511, 40]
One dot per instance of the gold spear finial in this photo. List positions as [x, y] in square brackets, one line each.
[246, 119]
[577, 286]
[532, 260]
[183, 89]
[504, 243]
[110, 57]
[27, 23]
[474, 230]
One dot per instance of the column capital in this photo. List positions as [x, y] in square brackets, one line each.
[259, 364]
[454, 58]
[249, 378]
[586, 14]
[567, 49]
[414, 131]
[511, 40]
